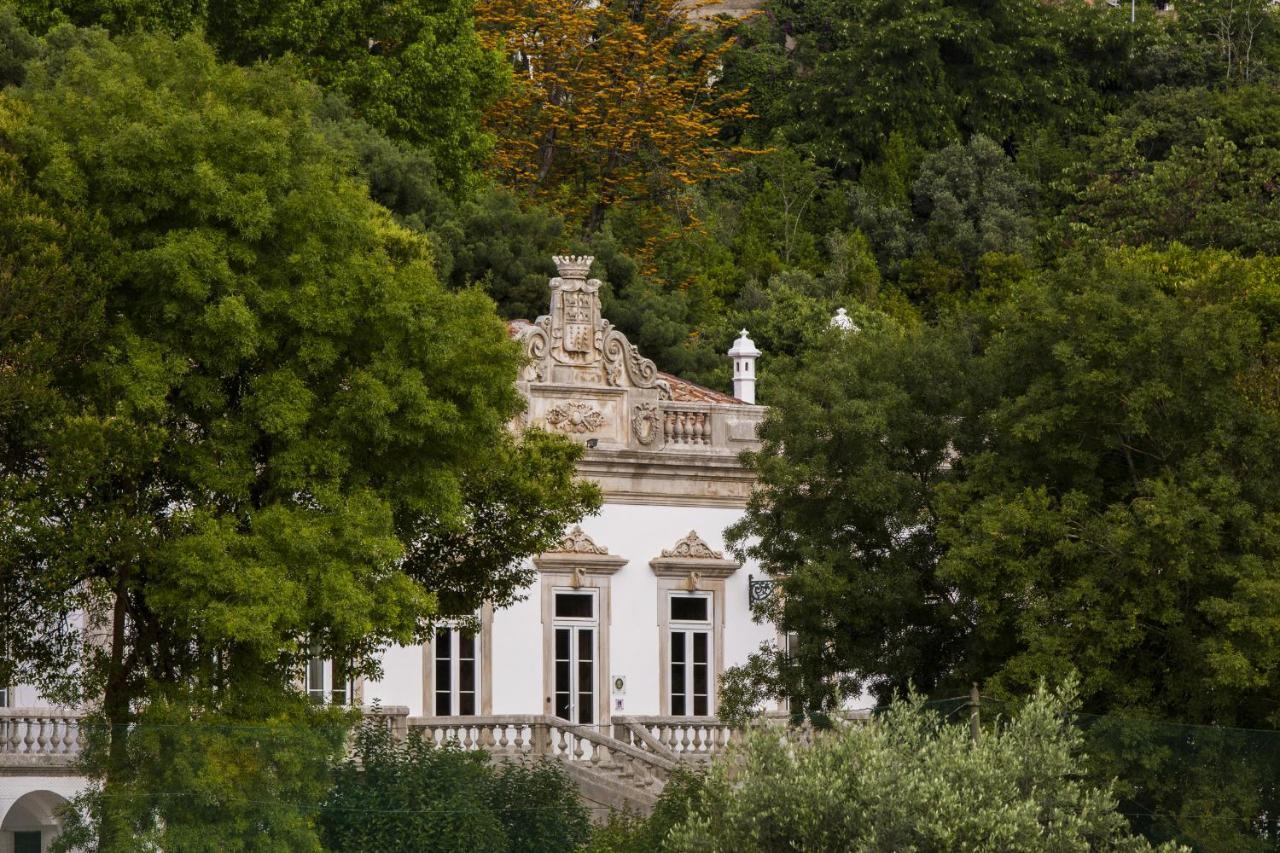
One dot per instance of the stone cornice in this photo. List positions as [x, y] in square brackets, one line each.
[567, 563]
[669, 478]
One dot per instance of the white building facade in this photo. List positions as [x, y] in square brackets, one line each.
[639, 611]
[633, 618]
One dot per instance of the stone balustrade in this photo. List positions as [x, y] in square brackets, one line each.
[626, 763]
[536, 736]
[38, 737]
[677, 738]
[689, 426]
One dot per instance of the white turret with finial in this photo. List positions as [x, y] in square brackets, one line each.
[744, 355]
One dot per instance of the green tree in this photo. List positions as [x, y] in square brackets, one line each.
[857, 440]
[1195, 166]
[417, 71]
[909, 780]
[415, 797]
[237, 406]
[972, 200]
[1076, 478]
[933, 71]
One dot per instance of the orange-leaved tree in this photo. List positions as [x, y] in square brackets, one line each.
[613, 101]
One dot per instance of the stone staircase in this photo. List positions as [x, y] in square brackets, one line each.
[623, 765]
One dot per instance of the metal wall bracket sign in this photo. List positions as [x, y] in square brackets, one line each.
[758, 591]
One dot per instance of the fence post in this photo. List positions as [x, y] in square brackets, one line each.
[975, 723]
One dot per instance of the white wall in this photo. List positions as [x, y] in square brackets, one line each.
[401, 682]
[638, 533]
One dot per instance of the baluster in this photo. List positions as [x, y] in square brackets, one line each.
[684, 738]
[42, 735]
[596, 754]
[564, 742]
[706, 428]
[29, 740]
[15, 734]
[668, 426]
[57, 736]
[503, 742]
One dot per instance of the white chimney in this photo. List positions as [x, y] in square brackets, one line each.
[744, 355]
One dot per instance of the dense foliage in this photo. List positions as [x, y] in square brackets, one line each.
[417, 71]
[908, 779]
[236, 405]
[415, 797]
[247, 370]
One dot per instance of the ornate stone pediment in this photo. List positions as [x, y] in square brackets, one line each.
[576, 541]
[693, 558]
[693, 546]
[578, 554]
[574, 345]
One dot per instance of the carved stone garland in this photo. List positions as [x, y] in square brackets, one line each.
[575, 417]
[692, 546]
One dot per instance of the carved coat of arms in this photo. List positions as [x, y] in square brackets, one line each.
[644, 423]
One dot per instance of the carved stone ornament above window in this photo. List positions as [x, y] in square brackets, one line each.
[692, 546]
[576, 541]
[691, 557]
[578, 554]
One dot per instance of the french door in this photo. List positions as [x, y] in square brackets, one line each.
[577, 669]
[690, 655]
[455, 672]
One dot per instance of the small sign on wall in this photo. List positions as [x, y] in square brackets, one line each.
[619, 692]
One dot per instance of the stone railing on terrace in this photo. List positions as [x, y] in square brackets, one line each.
[38, 737]
[624, 764]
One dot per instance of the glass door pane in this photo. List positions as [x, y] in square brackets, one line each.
[575, 676]
[564, 673]
[586, 675]
[466, 674]
[444, 672]
[701, 674]
[679, 690]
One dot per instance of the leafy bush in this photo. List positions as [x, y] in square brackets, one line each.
[414, 796]
[627, 833]
[906, 780]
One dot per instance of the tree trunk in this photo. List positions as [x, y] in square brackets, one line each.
[114, 830]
